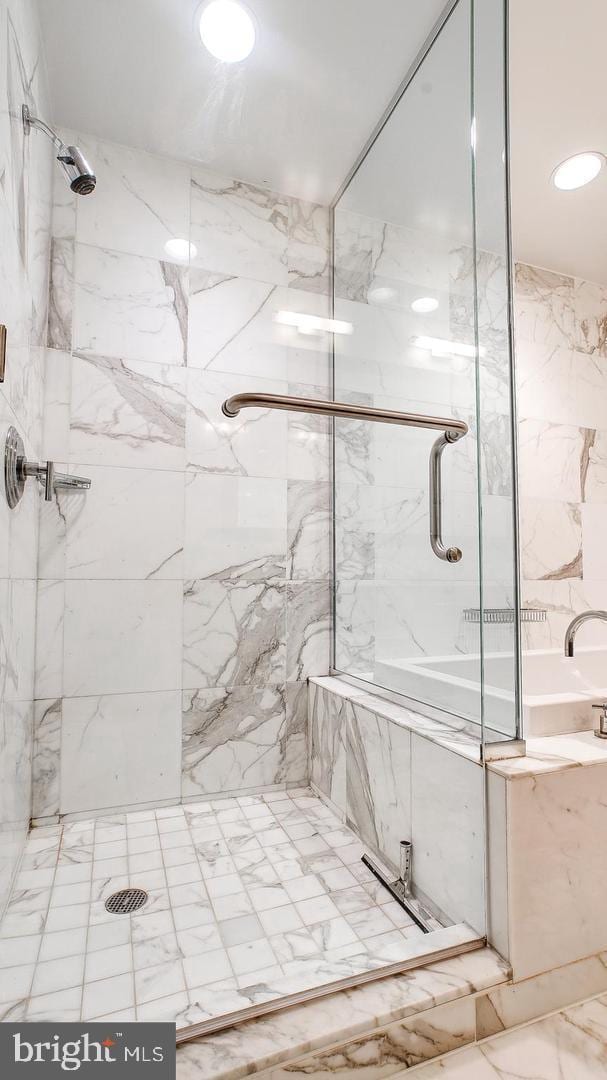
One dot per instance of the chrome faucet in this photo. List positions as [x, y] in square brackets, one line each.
[575, 624]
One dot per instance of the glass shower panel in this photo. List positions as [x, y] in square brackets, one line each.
[407, 275]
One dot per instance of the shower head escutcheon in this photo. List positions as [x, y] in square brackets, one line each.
[80, 176]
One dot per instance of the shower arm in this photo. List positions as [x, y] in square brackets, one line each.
[451, 430]
[30, 121]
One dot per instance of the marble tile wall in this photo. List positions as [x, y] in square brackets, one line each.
[184, 600]
[25, 210]
[391, 783]
[561, 354]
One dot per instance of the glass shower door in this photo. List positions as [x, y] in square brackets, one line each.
[421, 288]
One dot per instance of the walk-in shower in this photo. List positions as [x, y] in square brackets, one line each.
[270, 473]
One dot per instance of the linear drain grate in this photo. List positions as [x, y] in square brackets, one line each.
[125, 901]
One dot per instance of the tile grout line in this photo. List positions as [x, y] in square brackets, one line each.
[181, 956]
[45, 919]
[88, 922]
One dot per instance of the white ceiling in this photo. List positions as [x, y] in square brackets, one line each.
[297, 112]
[558, 107]
[294, 115]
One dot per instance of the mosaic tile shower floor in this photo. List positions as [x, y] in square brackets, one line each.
[250, 899]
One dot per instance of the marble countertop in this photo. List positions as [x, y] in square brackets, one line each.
[552, 753]
[256, 1045]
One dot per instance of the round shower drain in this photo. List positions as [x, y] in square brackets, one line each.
[125, 901]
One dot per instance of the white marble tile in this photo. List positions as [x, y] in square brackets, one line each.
[308, 246]
[595, 487]
[55, 975]
[232, 327]
[107, 995]
[507, 1007]
[308, 629]
[127, 413]
[447, 812]
[62, 1006]
[128, 307]
[378, 771]
[590, 304]
[239, 228]
[556, 816]
[140, 202]
[128, 525]
[252, 444]
[388, 1051]
[232, 738]
[246, 533]
[134, 642]
[551, 540]
[553, 460]
[143, 764]
[594, 524]
[57, 395]
[308, 521]
[569, 1045]
[544, 306]
[61, 295]
[271, 1041]
[233, 633]
[46, 757]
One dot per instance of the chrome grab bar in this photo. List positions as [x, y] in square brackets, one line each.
[452, 431]
[450, 554]
[233, 405]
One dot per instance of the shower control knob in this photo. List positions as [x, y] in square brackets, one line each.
[17, 469]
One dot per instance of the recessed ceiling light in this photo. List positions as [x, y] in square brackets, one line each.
[578, 170]
[424, 305]
[180, 250]
[227, 30]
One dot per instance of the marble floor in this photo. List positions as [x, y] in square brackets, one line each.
[250, 899]
[570, 1045]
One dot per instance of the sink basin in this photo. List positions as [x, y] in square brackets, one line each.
[558, 693]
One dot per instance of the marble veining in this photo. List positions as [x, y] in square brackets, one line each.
[239, 228]
[571, 1045]
[276, 1040]
[129, 307]
[561, 388]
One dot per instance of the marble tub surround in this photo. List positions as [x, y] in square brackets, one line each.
[550, 803]
[561, 375]
[394, 776]
[250, 900]
[273, 1041]
[203, 543]
[25, 214]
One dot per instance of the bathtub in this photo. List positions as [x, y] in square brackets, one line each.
[558, 693]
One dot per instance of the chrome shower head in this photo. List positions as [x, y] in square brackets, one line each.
[81, 178]
[79, 173]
